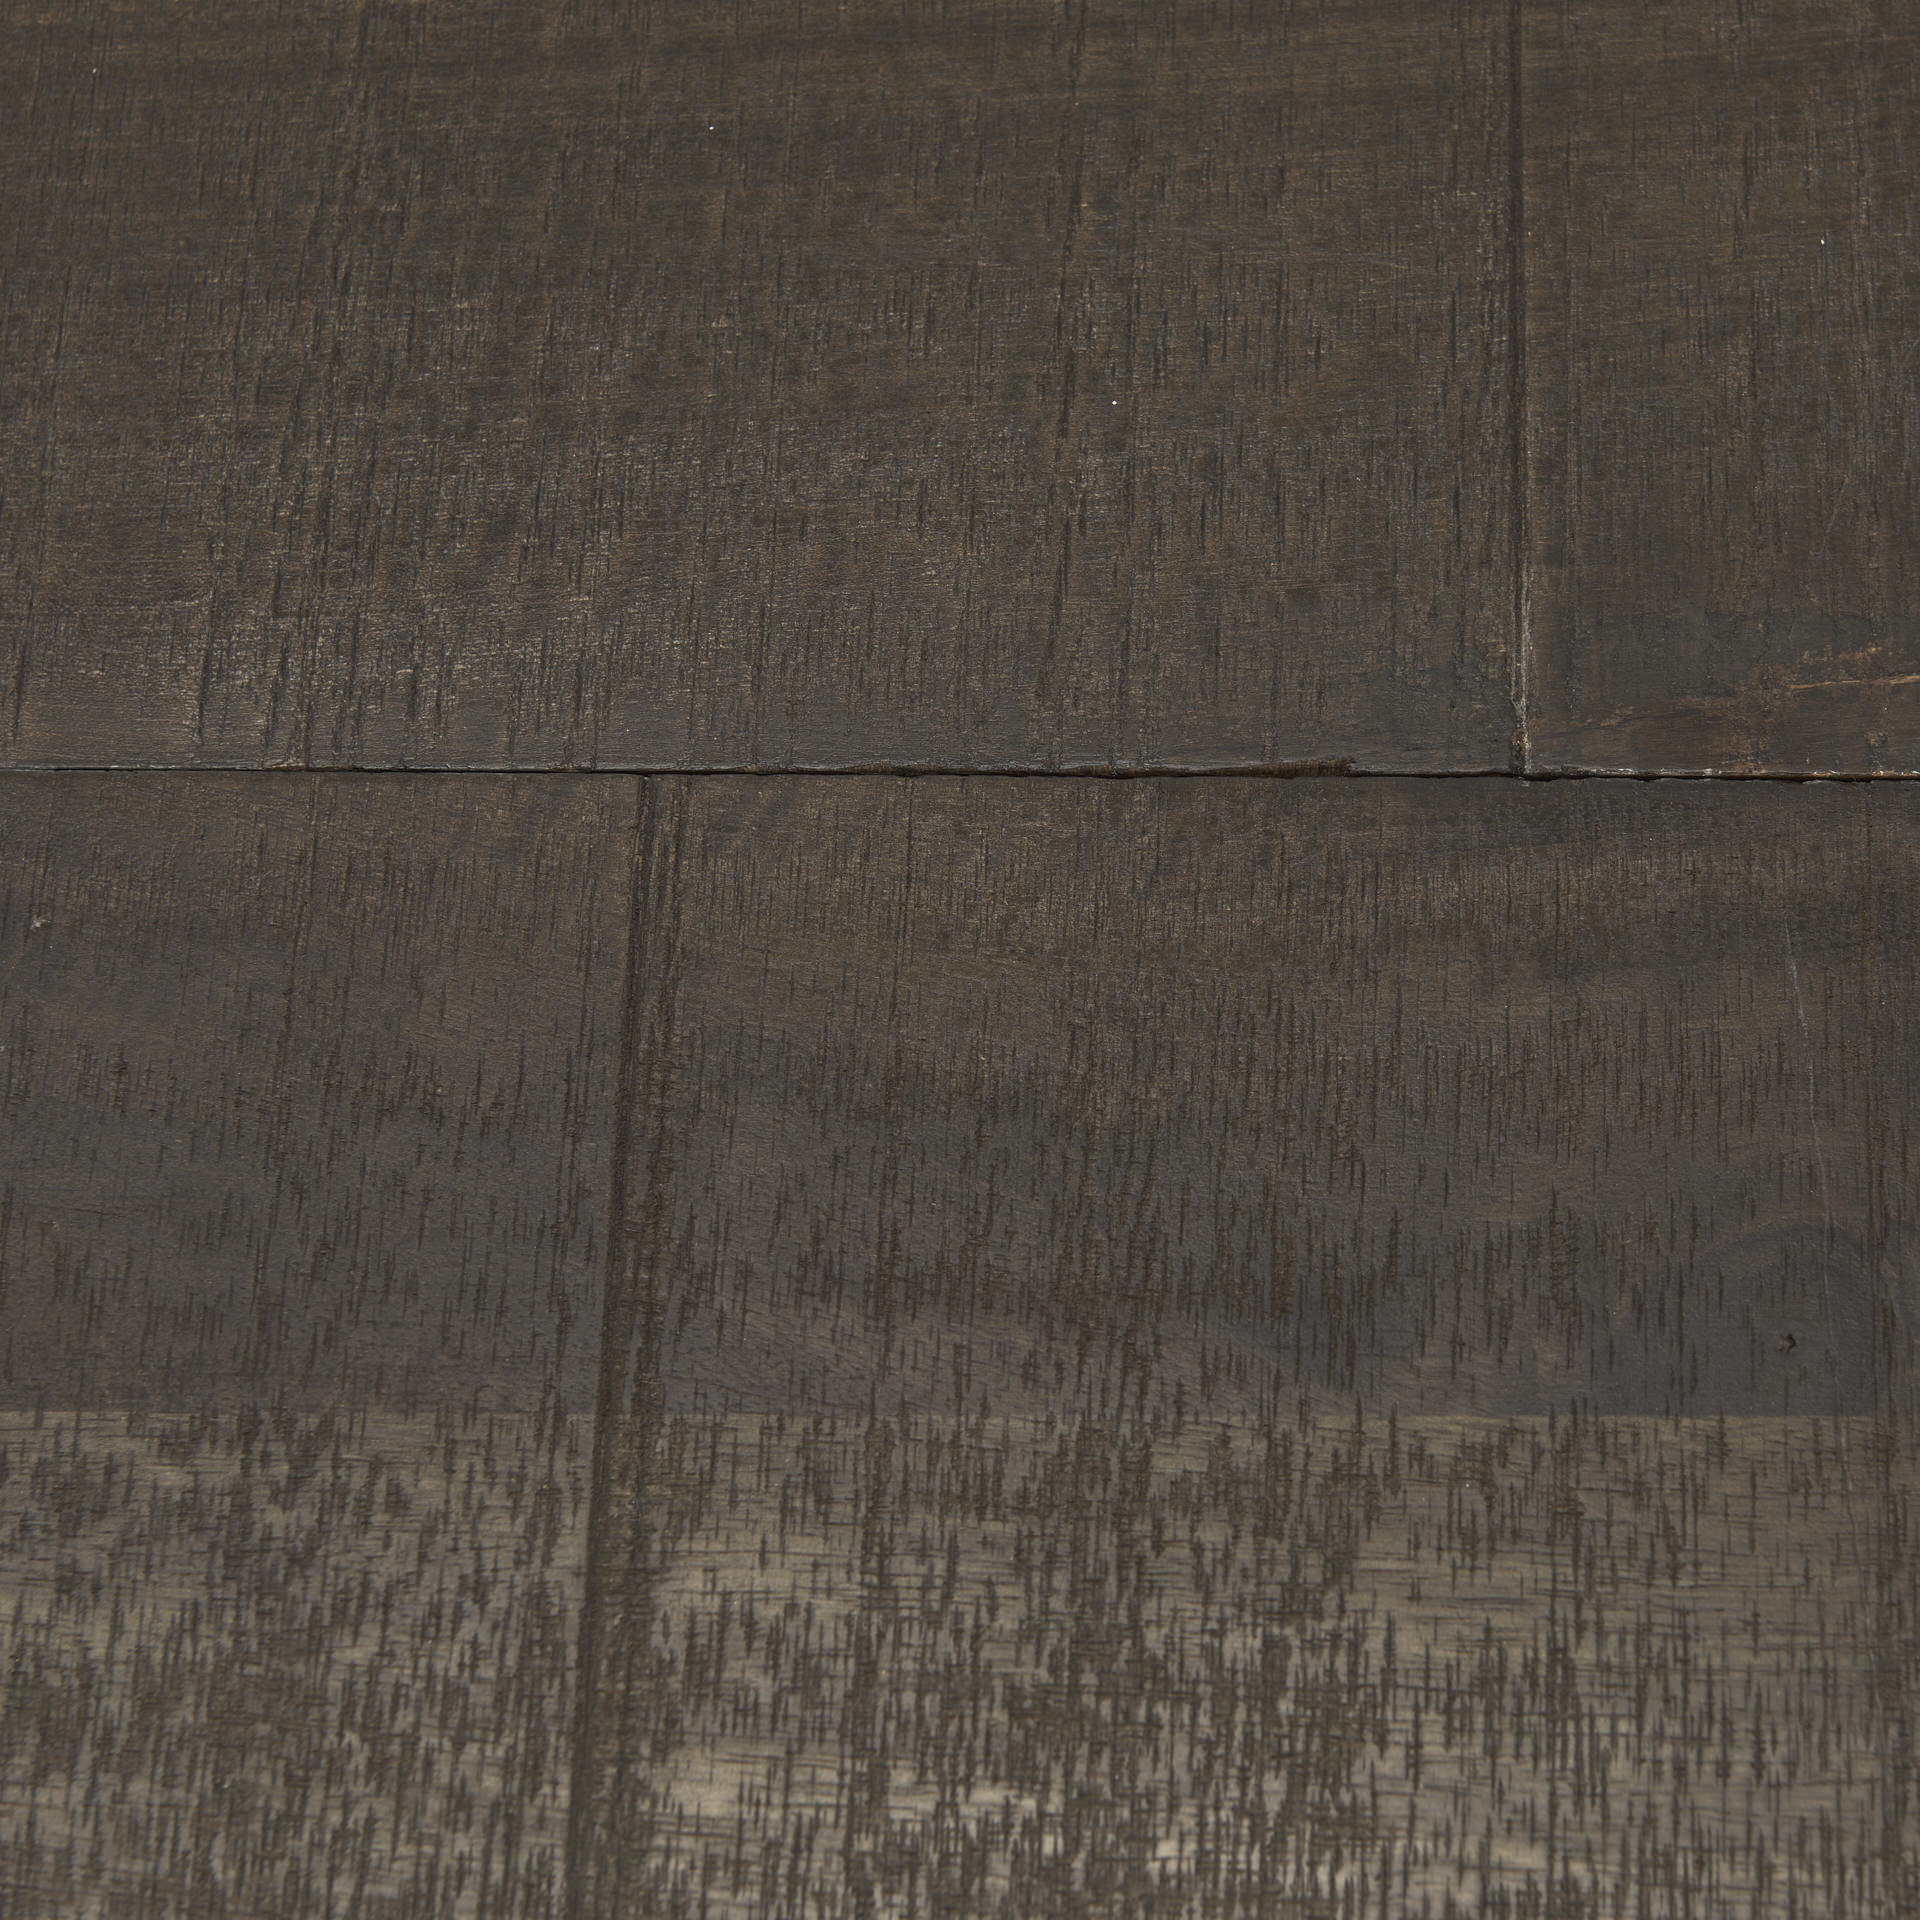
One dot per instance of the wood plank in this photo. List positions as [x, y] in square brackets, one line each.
[948, 384]
[1314, 1347]
[1723, 375]
[304, 1150]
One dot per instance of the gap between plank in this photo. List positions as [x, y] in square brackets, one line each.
[944, 770]
[1517, 327]
[614, 1329]
[627, 1334]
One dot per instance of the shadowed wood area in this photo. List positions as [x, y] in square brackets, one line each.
[305, 1102]
[1723, 372]
[1303, 1347]
[981, 385]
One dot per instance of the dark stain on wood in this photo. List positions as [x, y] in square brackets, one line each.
[916, 1346]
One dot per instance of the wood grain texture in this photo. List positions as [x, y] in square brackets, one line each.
[305, 1116]
[1723, 376]
[905, 384]
[1301, 1347]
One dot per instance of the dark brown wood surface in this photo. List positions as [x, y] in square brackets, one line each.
[829, 1335]
[306, 1106]
[1300, 1347]
[966, 385]
[1722, 364]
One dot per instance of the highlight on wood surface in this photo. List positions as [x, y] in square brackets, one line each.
[1305, 1663]
[279, 1663]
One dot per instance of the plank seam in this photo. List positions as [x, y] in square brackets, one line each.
[959, 770]
[622, 1423]
[614, 1318]
[1521, 450]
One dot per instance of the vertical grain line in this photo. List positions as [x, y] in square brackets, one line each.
[643, 1044]
[1873, 960]
[1517, 326]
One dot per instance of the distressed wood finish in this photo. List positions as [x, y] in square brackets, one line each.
[1263, 1347]
[1723, 372]
[305, 1103]
[976, 385]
